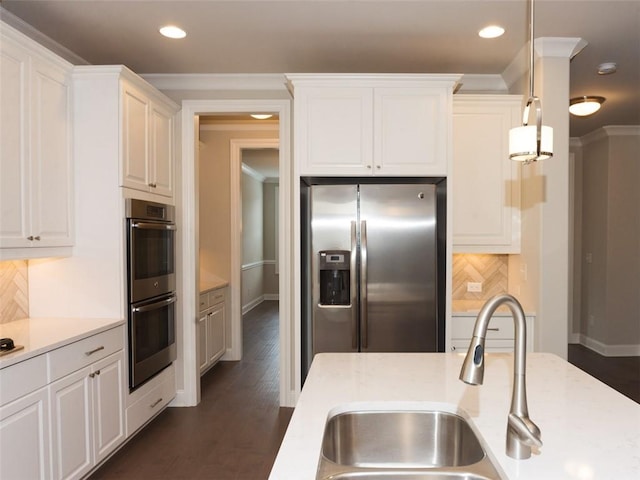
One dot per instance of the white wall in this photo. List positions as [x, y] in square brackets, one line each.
[252, 242]
[609, 275]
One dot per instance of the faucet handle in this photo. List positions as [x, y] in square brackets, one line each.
[528, 432]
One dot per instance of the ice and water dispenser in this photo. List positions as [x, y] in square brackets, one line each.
[335, 278]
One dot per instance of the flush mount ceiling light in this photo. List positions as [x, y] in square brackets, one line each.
[261, 116]
[171, 31]
[492, 31]
[587, 105]
[530, 143]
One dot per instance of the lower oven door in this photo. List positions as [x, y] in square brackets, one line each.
[152, 343]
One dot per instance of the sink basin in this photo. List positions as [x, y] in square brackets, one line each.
[402, 444]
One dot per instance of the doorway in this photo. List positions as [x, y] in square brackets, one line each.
[187, 200]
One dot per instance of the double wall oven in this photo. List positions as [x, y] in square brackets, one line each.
[151, 237]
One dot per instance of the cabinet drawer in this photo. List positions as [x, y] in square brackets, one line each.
[216, 297]
[204, 301]
[150, 404]
[22, 378]
[70, 358]
[499, 328]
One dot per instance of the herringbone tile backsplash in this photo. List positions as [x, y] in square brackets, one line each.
[14, 291]
[490, 270]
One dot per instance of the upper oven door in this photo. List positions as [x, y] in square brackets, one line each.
[151, 259]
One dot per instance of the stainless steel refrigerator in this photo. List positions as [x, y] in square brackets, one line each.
[373, 255]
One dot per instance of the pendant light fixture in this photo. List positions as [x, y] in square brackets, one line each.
[530, 143]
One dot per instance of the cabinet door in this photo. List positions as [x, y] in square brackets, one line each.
[135, 138]
[215, 340]
[51, 170]
[334, 130]
[485, 186]
[108, 405]
[24, 437]
[161, 168]
[71, 425]
[14, 166]
[202, 342]
[410, 131]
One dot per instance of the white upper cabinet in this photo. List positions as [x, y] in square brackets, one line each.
[360, 125]
[35, 149]
[136, 126]
[485, 182]
[147, 140]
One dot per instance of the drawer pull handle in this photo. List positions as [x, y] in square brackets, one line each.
[94, 351]
[154, 404]
[494, 329]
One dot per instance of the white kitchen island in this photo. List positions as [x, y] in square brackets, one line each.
[589, 431]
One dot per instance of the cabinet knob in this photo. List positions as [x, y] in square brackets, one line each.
[369, 166]
[30, 238]
[37, 237]
[453, 349]
[153, 185]
[378, 167]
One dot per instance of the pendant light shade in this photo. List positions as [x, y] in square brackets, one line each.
[523, 143]
[530, 143]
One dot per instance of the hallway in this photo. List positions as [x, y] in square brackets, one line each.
[233, 434]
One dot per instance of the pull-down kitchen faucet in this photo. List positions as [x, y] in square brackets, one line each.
[522, 433]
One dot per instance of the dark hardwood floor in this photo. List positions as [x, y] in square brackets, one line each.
[233, 434]
[620, 373]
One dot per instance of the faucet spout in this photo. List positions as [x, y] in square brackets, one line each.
[522, 433]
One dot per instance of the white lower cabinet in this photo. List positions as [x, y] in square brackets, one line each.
[24, 437]
[500, 333]
[87, 416]
[149, 399]
[211, 328]
[62, 412]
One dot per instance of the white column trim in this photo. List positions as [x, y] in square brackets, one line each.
[289, 342]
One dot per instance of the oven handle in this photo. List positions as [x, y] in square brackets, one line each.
[153, 226]
[154, 305]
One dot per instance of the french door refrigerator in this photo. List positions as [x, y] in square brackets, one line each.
[373, 268]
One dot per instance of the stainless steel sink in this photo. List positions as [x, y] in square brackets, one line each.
[403, 444]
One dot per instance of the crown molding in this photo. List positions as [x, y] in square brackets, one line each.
[47, 42]
[476, 83]
[217, 81]
[253, 173]
[563, 47]
[609, 131]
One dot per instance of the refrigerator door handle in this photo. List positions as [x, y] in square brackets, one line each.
[364, 327]
[353, 287]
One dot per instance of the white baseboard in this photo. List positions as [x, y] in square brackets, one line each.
[272, 296]
[252, 304]
[610, 350]
[574, 338]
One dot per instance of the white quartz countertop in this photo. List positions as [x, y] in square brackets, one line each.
[589, 431]
[212, 284]
[41, 335]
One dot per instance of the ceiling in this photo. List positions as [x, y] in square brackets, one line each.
[391, 36]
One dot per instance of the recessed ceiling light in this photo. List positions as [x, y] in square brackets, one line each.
[171, 31]
[587, 105]
[261, 116]
[492, 31]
